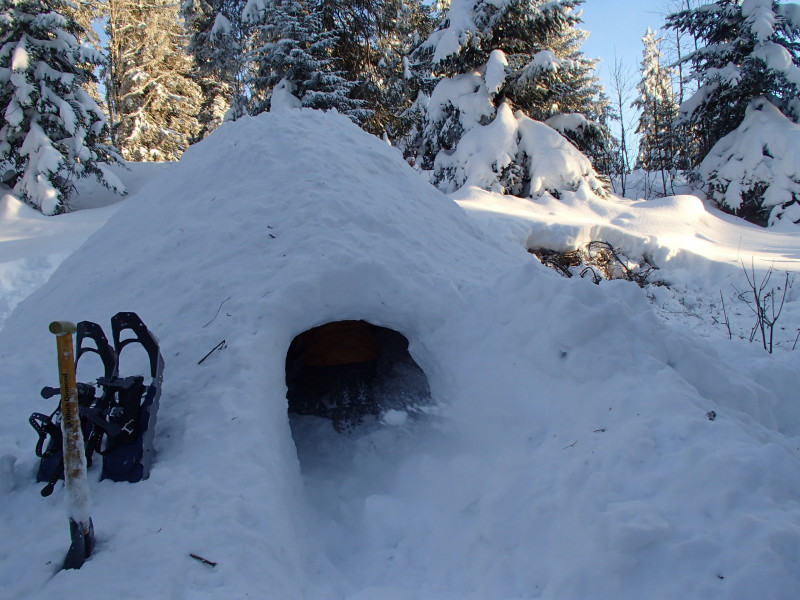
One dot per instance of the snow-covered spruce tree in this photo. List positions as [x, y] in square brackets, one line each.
[217, 42]
[388, 86]
[658, 141]
[291, 51]
[152, 98]
[494, 57]
[363, 42]
[52, 132]
[748, 56]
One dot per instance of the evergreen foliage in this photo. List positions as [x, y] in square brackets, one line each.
[747, 49]
[217, 42]
[523, 52]
[151, 96]
[291, 46]
[52, 132]
[748, 54]
[86, 13]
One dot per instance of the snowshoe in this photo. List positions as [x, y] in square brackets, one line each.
[51, 465]
[120, 422]
[128, 452]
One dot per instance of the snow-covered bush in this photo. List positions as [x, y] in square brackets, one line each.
[754, 171]
[51, 130]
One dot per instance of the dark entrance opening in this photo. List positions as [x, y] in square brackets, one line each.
[347, 371]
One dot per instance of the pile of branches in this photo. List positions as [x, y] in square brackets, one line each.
[600, 260]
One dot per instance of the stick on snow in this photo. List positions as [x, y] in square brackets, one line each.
[81, 528]
[214, 349]
[205, 561]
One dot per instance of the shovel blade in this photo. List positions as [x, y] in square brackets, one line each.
[82, 545]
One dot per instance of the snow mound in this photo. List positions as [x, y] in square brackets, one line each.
[571, 454]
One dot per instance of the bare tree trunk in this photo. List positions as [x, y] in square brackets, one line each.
[620, 81]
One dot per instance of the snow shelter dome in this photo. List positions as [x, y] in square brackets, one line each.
[269, 227]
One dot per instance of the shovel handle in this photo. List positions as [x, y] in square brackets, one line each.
[62, 328]
[81, 530]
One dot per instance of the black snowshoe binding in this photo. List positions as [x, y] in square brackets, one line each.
[119, 423]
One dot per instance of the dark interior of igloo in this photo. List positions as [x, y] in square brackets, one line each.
[349, 371]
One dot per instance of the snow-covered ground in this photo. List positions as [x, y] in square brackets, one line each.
[586, 441]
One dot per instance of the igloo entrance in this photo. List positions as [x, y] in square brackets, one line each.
[347, 371]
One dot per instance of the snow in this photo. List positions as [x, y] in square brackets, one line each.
[222, 26]
[495, 75]
[760, 17]
[282, 97]
[460, 30]
[19, 58]
[587, 441]
[467, 93]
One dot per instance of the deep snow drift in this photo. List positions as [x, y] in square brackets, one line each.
[570, 455]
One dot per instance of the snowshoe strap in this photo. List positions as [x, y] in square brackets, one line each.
[130, 321]
[88, 331]
[44, 426]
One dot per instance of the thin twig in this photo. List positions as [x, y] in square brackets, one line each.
[217, 313]
[205, 561]
[214, 349]
[725, 312]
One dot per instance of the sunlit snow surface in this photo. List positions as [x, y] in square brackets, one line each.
[569, 453]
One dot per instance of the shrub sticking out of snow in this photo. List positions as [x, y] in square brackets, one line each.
[598, 260]
[754, 171]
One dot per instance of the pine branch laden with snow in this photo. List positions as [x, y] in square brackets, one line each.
[215, 43]
[754, 171]
[746, 50]
[52, 130]
[469, 142]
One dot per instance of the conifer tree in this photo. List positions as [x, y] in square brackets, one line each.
[747, 49]
[51, 132]
[525, 53]
[747, 66]
[658, 142]
[291, 47]
[218, 44]
[389, 87]
[86, 13]
[151, 97]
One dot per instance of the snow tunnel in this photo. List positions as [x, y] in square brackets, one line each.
[350, 371]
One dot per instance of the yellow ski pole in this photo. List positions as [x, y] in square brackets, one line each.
[80, 523]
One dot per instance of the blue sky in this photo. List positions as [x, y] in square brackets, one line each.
[620, 25]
